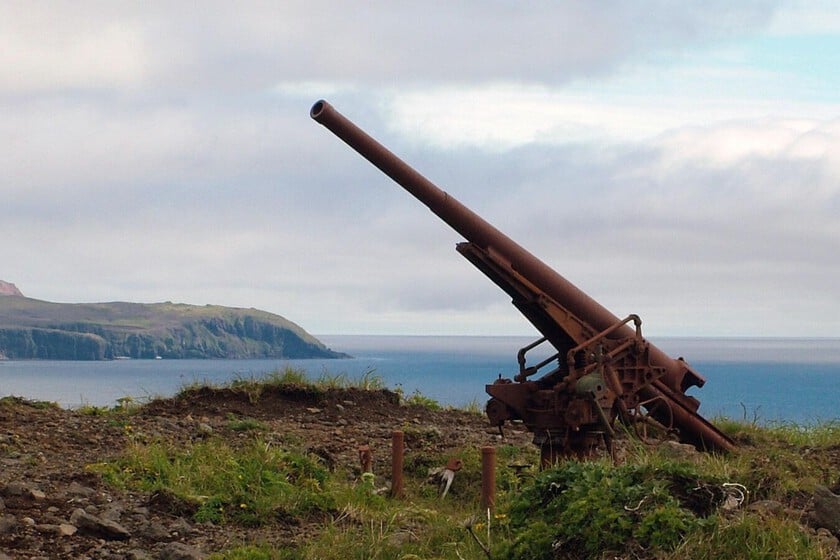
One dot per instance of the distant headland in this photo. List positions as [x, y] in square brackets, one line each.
[35, 329]
[9, 289]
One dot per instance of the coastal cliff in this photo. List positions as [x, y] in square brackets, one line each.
[9, 289]
[35, 329]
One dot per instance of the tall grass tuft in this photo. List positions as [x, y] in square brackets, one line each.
[253, 485]
[749, 536]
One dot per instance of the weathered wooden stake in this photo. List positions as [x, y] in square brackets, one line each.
[397, 455]
[366, 458]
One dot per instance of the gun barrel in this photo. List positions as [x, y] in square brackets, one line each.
[463, 220]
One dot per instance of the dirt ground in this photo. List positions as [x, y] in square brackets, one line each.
[53, 506]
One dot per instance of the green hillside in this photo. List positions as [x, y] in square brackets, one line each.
[35, 329]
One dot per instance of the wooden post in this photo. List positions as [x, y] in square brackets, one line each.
[397, 455]
[366, 458]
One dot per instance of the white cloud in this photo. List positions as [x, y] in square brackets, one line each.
[798, 17]
[730, 142]
[501, 117]
[58, 46]
[158, 152]
[87, 45]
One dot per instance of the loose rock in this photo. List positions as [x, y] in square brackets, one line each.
[767, 507]
[7, 524]
[826, 510]
[67, 530]
[77, 490]
[97, 526]
[205, 429]
[181, 551]
[679, 451]
[15, 488]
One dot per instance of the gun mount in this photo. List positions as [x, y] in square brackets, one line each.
[603, 371]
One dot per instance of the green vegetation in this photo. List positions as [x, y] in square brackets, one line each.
[293, 379]
[245, 424]
[11, 400]
[418, 399]
[34, 329]
[124, 405]
[653, 504]
[594, 507]
[253, 485]
[752, 536]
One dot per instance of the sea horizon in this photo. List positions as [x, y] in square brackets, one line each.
[767, 379]
[720, 348]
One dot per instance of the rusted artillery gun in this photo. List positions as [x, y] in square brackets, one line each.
[603, 370]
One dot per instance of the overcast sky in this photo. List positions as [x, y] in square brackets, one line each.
[678, 160]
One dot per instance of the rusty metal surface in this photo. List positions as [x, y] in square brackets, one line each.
[603, 370]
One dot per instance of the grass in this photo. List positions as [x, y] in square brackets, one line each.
[658, 506]
[20, 401]
[256, 552]
[252, 485]
[751, 537]
[236, 424]
[260, 485]
[593, 507]
[293, 378]
[418, 399]
[780, 460]
[651, 506]
[125, 405]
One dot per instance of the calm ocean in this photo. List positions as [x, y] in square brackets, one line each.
[768, 380]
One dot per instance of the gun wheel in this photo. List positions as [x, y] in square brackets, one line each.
[653, 420]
